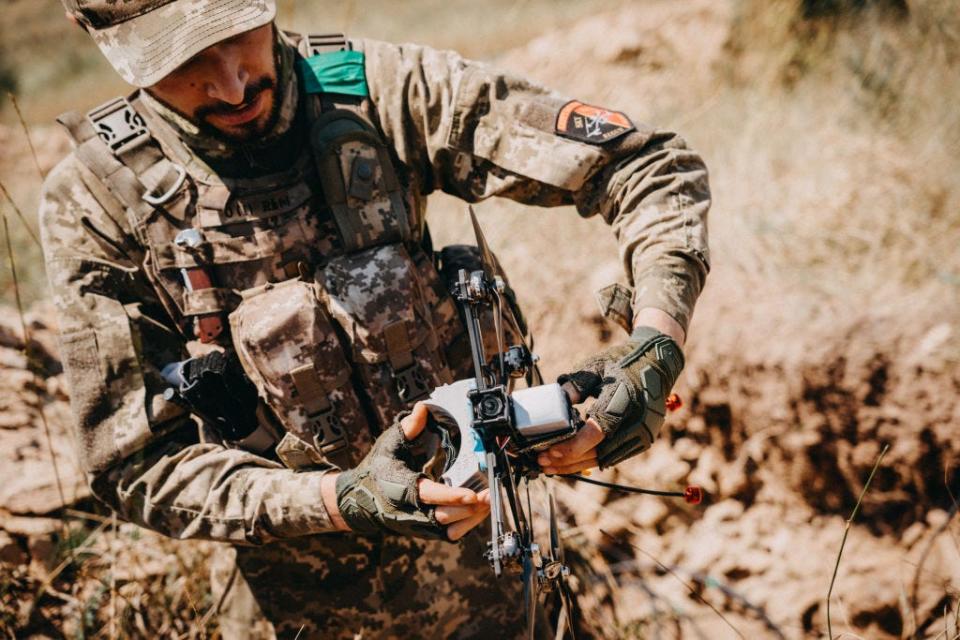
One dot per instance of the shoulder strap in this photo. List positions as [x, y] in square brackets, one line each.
[313, 44]
[338, 106]
[113, 141]
[115, 144]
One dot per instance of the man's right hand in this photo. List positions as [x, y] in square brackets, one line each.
[383, 494]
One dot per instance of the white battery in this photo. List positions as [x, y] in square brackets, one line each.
[541, 410]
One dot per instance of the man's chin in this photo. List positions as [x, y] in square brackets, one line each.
[238, 134]
[247, 132]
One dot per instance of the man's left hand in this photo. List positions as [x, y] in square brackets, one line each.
[579, 452]
[631, 382]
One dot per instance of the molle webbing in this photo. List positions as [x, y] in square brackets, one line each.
[114, 143]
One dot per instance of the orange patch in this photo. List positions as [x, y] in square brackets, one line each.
[594, 125]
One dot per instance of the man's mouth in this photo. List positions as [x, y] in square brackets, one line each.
[243, 114]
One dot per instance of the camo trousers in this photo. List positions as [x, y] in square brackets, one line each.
[345, 586]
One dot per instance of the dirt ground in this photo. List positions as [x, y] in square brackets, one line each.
[827, 332]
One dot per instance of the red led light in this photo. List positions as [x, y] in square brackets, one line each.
[693, 494]
[674, 402]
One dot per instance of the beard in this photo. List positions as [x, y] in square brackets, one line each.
[248, 131]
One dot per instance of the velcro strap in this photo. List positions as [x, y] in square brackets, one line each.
[313, 393]
[201, 302]
[310, 388]
[211, 203]
[615, 302]
[399, 350]
[263, 244]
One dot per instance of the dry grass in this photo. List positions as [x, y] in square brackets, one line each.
[111, 581]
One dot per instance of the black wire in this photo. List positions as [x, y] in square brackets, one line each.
[620, 487]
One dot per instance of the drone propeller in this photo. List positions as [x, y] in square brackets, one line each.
[492, 269]
[556, 554]
[490, 266]
[530, 594]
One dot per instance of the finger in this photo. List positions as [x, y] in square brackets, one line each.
[587, 438]
[484, 497]
[431, 492]
[572, 392]
[414, 423]
[564, 462]
[572, 468]
[448, 514]
[459, 529]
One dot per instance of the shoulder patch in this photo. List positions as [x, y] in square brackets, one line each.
[335, 72]
[594, 125]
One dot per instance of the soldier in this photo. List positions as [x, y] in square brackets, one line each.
[249, 227]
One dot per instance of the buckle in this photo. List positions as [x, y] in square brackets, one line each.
[328, 430]
[317, 44]
[411, 383]
[156, 201]
[119, 125]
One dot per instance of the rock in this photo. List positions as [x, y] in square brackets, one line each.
[19, 380]
[728, 510]
[29, 526]
[648, 511]
[687, 449]
[732, 479]
[34, 489]
[44, 348]
[11, 331]
[15, 419]
[913, 533]
[12, 359]
[57, 387]
[707, 469]
[43, 554]
[937, 518]
[10, 550]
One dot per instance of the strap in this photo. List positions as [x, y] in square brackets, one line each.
[315, 397]
[212, 201]
[199, 302]
[615, 302]
[399, 350]
[264, 243]
[114, 142]
[329, 133]
[314, 44]
[311, 389]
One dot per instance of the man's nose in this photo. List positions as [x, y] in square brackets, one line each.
[226, 79]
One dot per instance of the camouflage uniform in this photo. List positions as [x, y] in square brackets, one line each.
[447, 124]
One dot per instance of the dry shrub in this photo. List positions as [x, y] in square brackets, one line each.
[113, 581]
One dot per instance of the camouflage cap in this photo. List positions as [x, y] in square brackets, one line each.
[145, 40]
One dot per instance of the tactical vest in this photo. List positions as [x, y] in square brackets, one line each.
[319, 277]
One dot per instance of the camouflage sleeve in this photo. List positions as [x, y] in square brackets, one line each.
[474, 132]
[142, 453]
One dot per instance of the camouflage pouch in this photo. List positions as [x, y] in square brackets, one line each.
[359, 181]
[290, 350]
[378, 299]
